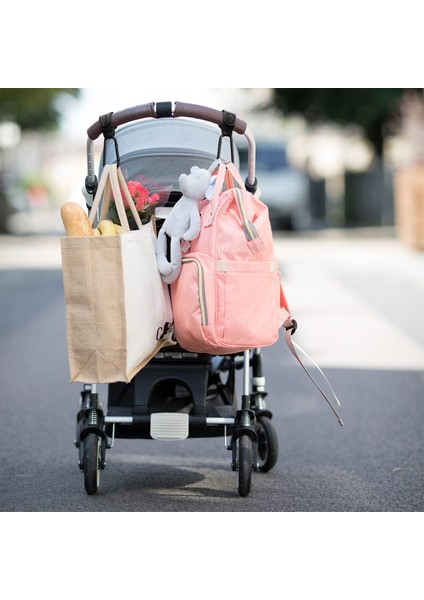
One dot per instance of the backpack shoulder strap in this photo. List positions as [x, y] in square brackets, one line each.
[294, 349]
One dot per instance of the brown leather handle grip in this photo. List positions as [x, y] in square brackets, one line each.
[182, 109]
[124, 116]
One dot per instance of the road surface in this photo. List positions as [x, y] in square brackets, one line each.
[358, 302]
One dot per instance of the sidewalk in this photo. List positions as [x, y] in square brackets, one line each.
[30, 252]
[357, 295]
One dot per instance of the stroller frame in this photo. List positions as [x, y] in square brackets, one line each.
[180, 394]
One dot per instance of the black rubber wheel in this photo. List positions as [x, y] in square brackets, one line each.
[92, 461]
[245, 461]
[267, 444]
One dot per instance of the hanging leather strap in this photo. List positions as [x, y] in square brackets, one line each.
[294, 349]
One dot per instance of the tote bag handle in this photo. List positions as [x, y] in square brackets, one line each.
[111, 184]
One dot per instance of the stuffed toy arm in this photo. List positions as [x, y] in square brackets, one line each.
[194, 227]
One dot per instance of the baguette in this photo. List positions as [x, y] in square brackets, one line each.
[75, 220]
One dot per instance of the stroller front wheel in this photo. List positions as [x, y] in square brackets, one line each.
[245, 463]
[92, 462]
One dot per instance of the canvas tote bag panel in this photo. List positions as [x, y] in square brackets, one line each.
[117, 307]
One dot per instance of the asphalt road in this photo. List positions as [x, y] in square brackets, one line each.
[373, 464]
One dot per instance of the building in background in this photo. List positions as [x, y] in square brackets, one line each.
[330, 175]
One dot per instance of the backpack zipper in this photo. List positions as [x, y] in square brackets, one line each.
[201, 288]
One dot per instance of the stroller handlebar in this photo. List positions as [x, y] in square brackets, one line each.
[181, 109]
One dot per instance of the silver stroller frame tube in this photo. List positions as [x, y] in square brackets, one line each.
[246, 378]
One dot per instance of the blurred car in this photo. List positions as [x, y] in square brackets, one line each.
[284, 189]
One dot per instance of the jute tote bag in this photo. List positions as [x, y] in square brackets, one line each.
[118, 310]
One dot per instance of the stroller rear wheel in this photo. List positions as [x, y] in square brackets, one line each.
[245, 463]
[267, 444]
[92, 462]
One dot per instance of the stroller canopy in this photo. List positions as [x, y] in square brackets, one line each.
[157, 151]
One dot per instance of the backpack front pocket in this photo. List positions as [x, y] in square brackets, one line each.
[247, 303]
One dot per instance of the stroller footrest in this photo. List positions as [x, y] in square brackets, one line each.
[169, 426]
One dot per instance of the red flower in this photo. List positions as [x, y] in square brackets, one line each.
[138, 193]
[143, 202]
[153, 199]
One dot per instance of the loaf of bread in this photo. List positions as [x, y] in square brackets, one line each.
[75, 220]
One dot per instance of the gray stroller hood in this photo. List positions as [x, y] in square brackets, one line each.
[157, 151]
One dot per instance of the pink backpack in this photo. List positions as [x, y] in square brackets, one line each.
[229, 296]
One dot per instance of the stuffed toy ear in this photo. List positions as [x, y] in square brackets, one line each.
[211, 187]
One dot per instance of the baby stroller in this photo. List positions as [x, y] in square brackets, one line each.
[178, 394]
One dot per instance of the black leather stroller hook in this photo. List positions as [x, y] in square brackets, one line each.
[227, 128]
[108, 131]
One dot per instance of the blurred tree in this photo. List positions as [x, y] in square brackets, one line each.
[31, 109]
[373, 109]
